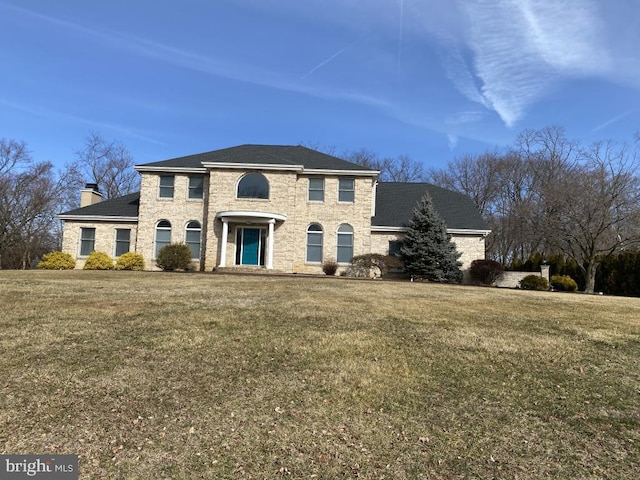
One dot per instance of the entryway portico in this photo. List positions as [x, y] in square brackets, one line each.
[249, 237]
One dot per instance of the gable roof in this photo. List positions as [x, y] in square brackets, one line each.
[396, 201]
[126, 206]
[282, 155]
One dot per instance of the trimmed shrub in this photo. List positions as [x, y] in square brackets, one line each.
[564, 283]
[330, 267]
[486, 272]
[534, 282]
[175, 256]
[130, 261]
[57, 261]
[98, 261]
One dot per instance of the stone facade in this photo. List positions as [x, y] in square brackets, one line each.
[105, 238]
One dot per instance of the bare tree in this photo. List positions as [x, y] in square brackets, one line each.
[400, 169]
[592, 209]
[30, 193]
[108, 164]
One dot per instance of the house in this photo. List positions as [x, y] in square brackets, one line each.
[281, 208]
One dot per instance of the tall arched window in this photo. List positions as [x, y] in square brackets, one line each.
[314, 243]
[345, 243]
[163, 235]
[192, 238]
[253, 185]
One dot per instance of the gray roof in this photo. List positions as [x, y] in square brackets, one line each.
[262, 154]
[396, 201]
[126, 206]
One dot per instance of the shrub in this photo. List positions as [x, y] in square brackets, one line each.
[130, 261]
[98, 261]
[534, 282]
[57, 261]
[372, 265]
[564, 283]
[175, 256]
[330, 267]
[486, 272]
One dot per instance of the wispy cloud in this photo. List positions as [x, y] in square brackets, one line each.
[183, 58]
[522, 47]
[55, 115]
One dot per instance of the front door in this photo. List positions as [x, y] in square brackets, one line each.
[251, 243]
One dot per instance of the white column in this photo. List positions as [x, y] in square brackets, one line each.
[223, 244]
[270, 245]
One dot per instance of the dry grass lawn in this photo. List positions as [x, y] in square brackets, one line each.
[186, 376]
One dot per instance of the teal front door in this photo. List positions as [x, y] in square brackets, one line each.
[251, 242]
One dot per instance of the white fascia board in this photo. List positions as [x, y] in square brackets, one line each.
[143, 168]
[97, 218]
[451, 231]
[348, 173]
[468, 231]
[248, 214]
[388, 229]
[253, 166]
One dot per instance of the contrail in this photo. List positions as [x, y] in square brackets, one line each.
[400, 42]
[324, 62]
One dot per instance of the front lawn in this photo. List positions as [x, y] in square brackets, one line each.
[157, 375]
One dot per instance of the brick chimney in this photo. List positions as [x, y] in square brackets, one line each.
[90, 195]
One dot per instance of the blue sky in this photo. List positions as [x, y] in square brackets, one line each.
[432, 79]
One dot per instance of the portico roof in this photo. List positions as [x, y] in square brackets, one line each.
[248, 216]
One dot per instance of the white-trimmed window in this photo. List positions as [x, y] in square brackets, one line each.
[192, 238]
[87, 241]
[346, 190]
[123, 241]
[316, 189]
[253, 185]
[166, 186]
[314, 243]
[196, 186]
[163, 235]
[345, 243]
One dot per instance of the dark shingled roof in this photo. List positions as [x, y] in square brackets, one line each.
[262, 154]
[395, 203]
[126, 206]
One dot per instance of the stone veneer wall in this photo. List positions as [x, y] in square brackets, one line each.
[471, 246]
[105, 238]
[288, 195]
[178, 210]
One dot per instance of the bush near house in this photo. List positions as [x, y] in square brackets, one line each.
[534, 282]
[486, 272]
[175, 256]
[330, 267]
[130, 261]
[57, 261]
[364, 265]
[564, 283]
[98, 261]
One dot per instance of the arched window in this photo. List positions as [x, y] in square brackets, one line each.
[314, 243]
[253, 185]
[192, 238]
[163, 235]
[345, 243]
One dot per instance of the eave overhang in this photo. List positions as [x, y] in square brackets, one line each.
[451, 231]
[97, 218]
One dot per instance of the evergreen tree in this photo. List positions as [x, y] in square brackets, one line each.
[427, 249]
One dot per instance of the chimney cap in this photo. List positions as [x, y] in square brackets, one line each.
[91, 186]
